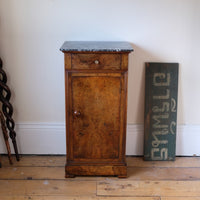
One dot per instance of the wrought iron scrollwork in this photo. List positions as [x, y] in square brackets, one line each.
[7, 108]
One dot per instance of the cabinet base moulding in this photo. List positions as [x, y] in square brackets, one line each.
[94, 170]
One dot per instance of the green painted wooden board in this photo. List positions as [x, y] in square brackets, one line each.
[160, 117]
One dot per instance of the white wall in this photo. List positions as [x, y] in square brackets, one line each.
[32, 31]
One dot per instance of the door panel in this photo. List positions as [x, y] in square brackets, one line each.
[95, 116]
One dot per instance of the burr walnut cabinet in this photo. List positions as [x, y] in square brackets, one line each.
[96, 107]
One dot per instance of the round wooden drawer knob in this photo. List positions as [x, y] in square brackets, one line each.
[96, 62]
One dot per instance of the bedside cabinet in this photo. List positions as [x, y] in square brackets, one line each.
[96, 107]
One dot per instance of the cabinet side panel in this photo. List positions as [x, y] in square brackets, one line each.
[123, 116]
[68, 104]
[68, 61]
[124, 62]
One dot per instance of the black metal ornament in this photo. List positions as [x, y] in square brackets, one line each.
[7, 108]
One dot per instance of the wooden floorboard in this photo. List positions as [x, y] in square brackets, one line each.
[149, 188]
[59, 161]
[35, 161]
[180, 198]
[47, 187]
[134, 173]
[179, 162]
[76, 198]
[42, 178]
[163, 173]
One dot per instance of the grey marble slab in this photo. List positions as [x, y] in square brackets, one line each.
[96, 46]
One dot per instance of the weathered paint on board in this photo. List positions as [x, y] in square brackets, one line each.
[161, 89]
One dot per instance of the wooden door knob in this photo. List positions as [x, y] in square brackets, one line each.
[76, 113]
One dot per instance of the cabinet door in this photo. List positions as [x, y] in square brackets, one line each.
[96, 122]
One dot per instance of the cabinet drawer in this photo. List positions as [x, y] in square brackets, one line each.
[96, 61]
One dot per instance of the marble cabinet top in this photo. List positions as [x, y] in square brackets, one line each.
[96, 46]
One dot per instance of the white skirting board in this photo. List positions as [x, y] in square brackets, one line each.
[49, 138]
